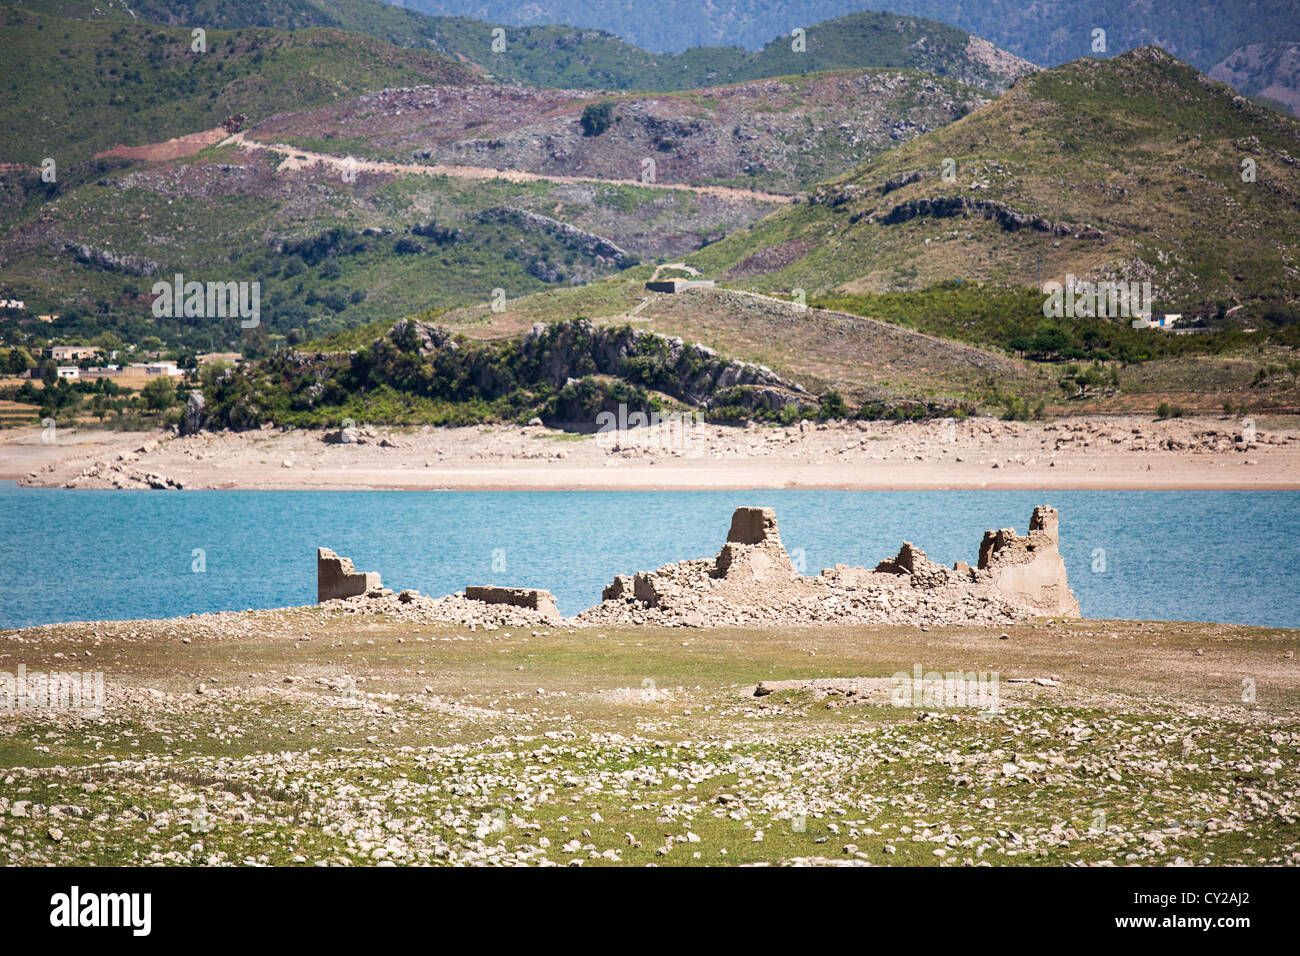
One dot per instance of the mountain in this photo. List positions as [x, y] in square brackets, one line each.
[1047, 33]
[569, 57]
[1128, 168]
[403, 233]
[86, 86]
[426, 220]
[1267, 70]
[777, 135]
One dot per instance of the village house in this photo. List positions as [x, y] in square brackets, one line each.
[69, 371]
[66, 353]
[108, 371]
[151, 369]
[1158, 320]
[208, 358]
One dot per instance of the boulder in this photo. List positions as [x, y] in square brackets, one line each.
[344, 436]
[194, 418]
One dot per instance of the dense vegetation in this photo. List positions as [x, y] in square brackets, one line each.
[143, 84]
[1012, 319]
[417, 373]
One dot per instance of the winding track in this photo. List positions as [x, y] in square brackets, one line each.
[303, 158]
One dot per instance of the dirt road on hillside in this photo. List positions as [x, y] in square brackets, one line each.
[350, 166]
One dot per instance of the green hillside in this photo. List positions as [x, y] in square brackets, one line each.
[88, 86]
[329, 254]
[1129, 168]
[565, 57]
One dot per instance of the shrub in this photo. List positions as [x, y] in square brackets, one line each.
[596, 118]
[833, 406]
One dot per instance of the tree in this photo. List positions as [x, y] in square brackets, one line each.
[20, 360]
[833, 406]
[596, 118]
[1050, 340]
[160, 394]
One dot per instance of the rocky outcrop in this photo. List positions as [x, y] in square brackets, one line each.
[1029, 570]
[944, 207]
[694, 374]
[337, 578]
[194, 418]
[107, 261]
[541, 601]
[586, 369]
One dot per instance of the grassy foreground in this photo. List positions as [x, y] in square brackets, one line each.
[300, 737]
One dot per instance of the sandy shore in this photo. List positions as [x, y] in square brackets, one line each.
[1110, 453]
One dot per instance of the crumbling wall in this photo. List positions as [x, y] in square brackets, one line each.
[337, 578]
[1029, 569]
[753, 551]
[753, 581]
[542, 601]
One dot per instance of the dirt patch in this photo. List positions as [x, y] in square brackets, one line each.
[771, 259]
[186, 145]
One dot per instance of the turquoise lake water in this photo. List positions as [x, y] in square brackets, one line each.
[88, 555]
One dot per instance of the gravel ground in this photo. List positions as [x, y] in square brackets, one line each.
[317, 737]
[1127, 452]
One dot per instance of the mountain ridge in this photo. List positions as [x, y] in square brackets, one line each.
[1128, 167]
[569, 57]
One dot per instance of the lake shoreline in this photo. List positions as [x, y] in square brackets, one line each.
[1125, 453]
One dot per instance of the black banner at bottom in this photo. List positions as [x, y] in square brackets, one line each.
[334, 905]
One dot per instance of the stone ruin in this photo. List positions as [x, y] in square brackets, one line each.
[337, 578]
[541, 601]
[753, 581]
[1029, 570]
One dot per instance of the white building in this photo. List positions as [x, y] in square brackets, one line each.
[66, 353]
[1159, 320]
[69, 371]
